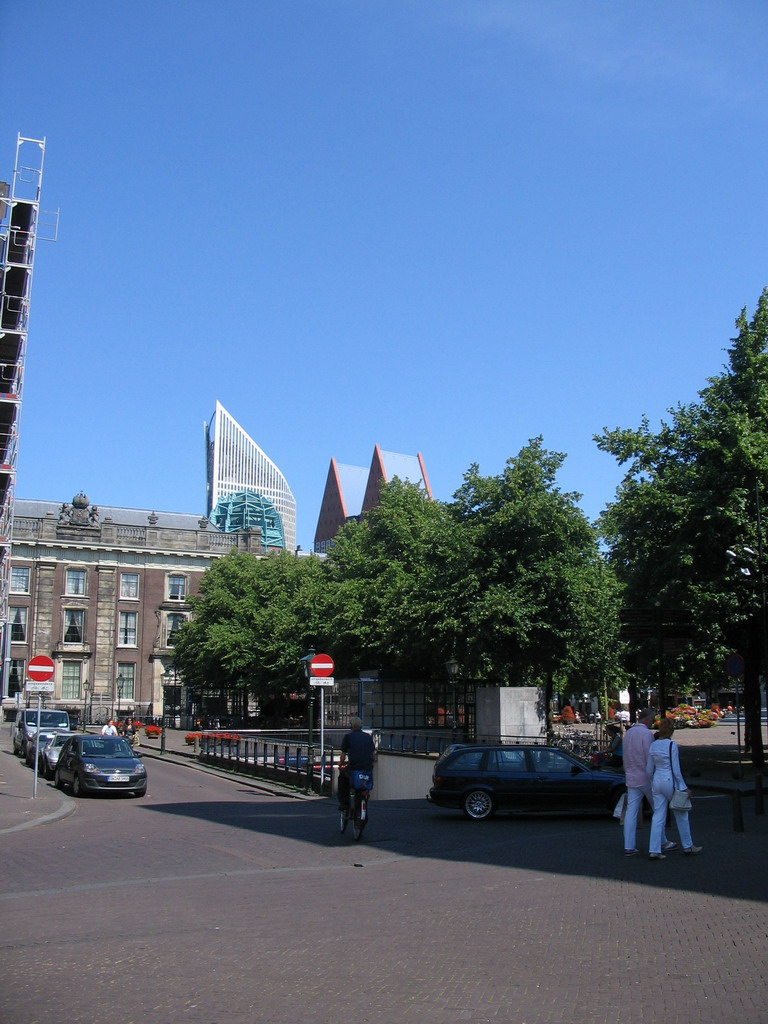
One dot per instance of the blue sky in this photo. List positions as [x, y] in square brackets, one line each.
[444, 226]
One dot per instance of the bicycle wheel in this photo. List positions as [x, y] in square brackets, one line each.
[361, 817]
[343, 820]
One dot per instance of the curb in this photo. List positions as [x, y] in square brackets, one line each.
[65, 808]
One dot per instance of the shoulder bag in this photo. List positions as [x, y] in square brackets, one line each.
[680, 801]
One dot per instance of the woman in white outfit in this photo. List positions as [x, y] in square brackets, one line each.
[664, 768]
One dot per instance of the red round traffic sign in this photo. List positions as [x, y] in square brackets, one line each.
[321, 665]
[41, 668]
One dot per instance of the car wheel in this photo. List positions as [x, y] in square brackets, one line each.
[478, 805]
[77, 786]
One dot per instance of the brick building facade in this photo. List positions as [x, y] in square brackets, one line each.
[101, 591]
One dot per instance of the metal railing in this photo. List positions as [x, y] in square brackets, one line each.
[297, 764]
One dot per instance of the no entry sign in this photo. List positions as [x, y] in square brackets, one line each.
[321, 665]
[40, 669]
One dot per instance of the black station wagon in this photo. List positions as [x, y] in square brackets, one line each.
[480, 780]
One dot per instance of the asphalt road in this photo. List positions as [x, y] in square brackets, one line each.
[212, 903]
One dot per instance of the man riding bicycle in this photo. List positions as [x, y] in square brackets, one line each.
[357, 753]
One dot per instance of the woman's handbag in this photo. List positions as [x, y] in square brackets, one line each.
[680, 800]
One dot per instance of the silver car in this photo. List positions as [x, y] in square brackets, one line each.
[40, 738]
[49, 754]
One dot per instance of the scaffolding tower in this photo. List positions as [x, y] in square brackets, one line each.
[19, 224]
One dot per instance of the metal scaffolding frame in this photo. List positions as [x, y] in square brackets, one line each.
[19, 232]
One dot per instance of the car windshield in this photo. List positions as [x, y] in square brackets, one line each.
[48, 719]
[59, 739]
[106, 746]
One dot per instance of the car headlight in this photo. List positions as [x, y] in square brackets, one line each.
[140, 769]
[89, 767]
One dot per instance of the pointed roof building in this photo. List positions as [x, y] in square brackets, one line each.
[351, 491]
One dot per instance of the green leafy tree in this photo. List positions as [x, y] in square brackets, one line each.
[507, 578]
[252, 622]
[537, 603]
[386, 602]
[691, 492]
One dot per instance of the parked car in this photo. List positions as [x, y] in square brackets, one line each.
[479, 780]
[100, 764]
[49, 754]
[38, 741]
[25, 726]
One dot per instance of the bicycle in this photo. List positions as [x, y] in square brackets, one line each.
[356, 809]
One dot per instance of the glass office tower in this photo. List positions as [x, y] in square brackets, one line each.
[235, 463]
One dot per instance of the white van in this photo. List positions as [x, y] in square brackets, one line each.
[26, 725]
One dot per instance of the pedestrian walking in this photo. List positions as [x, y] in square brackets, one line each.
[669, 789]
[637, 741]
[615, 758]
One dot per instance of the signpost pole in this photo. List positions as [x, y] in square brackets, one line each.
[40, 671]
[322, 737]
[37, 744]
[734, 666]
[320, 669]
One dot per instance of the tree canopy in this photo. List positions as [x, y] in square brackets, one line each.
[507, 578]
[692, 492]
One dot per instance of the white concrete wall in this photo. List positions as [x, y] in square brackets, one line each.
[401, 776]
[509, 711]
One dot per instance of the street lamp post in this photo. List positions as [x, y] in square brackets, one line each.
[120, 684]
[304, 662]
[86, 690]
[452, 667]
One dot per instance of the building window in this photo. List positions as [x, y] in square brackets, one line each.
[18, 625]
[19, 579]
[75, 584]
[127, 629]
[177, 588]
[74, 626]
[126, 680]
[172, 624]
[70, 680]
[129, 585]
[16, 676]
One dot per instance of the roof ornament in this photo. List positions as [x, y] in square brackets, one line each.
[79, 513]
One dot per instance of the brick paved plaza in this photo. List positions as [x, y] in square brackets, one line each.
[231, 906]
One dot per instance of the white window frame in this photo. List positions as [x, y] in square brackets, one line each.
[184, 584]
[77, 621]
[126, 670]
[71, 679]
[15, 569]
[134, 578]
[128, 626]
[78, 575]
[172, 622]
[19, 618]
[17, 673]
